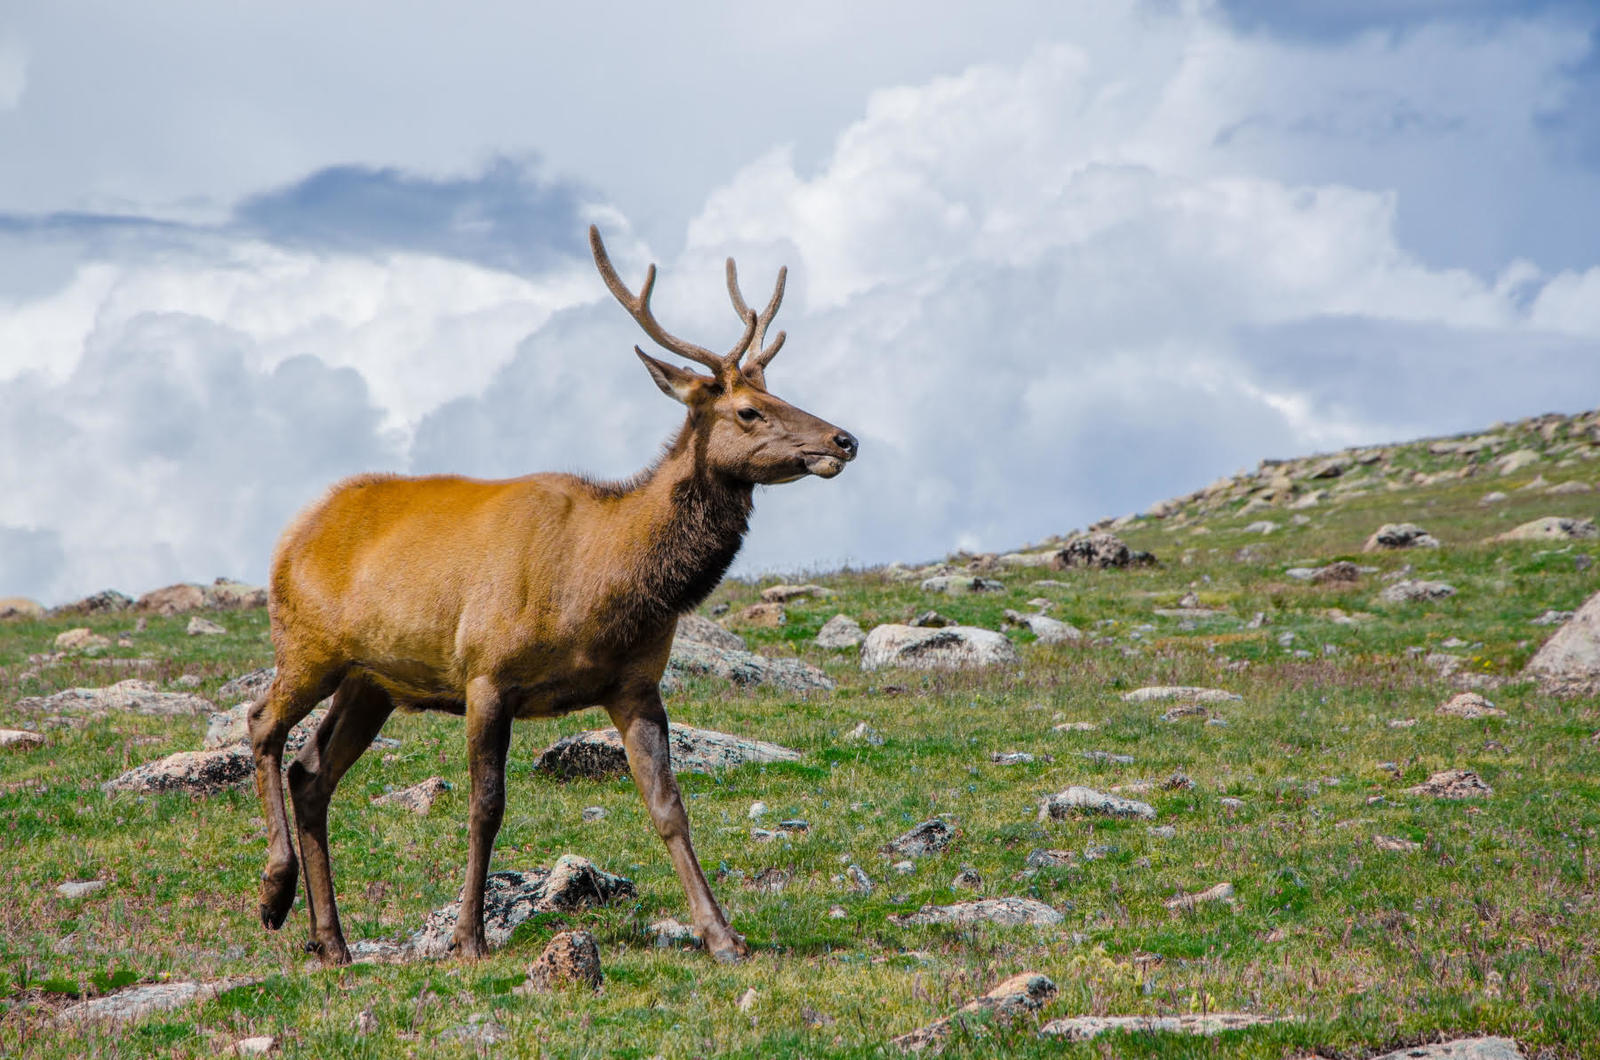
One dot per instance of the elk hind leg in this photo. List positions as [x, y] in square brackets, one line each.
[288, 699]
[358, 711]
[488, 740]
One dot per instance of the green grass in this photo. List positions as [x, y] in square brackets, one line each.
[1492, 926]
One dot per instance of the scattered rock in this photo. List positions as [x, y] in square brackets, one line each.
[1261, 526]
[1185, 710]
[133, 695]
[598, 753]
[1050, 859]
[690, 659]
[571, 958]
[80, 888]
[1565, 489]
[248, 687]
[231, 728]
[1460, 1049]
[1342, 572]
[20, 607]
[1569, 662]
[765, 616]
[1413, 590]
[1453, 784]
[20, 740]
[593, 813]
[1399, 535]
[1078, 800]
[104, 602]
[671, 934]
[1018, 758]
[260, 1045]
[1495, 497]
[929, 837]
[1083, 1028]
[1075, 726]
[193, 772]
[172, 600]
[1101, 550]
[864, 733]
[1551, 528]
[418, 798]
[782, 594]
[1047, 630]
[859, 881]
[954, 647]
[931, 620]
[702, 630]
[80, 639]
[840, 631]
[479, 1030]
[1002, 912]
[1014, 999]
[1511, 463]
[1222, 892]
[1469, 705]
[1395, 844]
[1551, 617]
[1108, 757]
[960, 584]
[967, 880]
[203, 627]
[1187, 693]
[747, 1000]
[137, 1002]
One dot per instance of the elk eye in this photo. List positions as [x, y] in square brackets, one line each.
[749, 415]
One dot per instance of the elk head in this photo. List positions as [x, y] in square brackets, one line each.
[742, 431]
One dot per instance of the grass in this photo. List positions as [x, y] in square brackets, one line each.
[1491, 926]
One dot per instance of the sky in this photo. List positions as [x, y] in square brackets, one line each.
[1048, 261]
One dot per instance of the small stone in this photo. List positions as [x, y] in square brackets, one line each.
[904, 868]
[1163, 831]
[80, 888]
[1399, 535]
[1412, 590]
[747, 1000]
[1083, 1028]
[670, 934]
[1395, 844]
[203, 627]
[1341, 573]
[1222, 892]
[366, 1022]
[1076, 800]
[478, 1030]
[1050, 859]
[594, 813]
[260, 1045]
[864, 733]
[1453, 784]
[929, 837]
[1189, 693]
[1469, 705]
[1402, 723]
[836, 912]
[967, 880]
[599, 754]
[1184, 710]
[571, 958]
[418, 798]
[1551, 528]
[80, 639]
[1229, 803]
[1551, 617]
[1047, 630]
[1075, 726]
[1106, 757]
[954, 647]
[194, 772]
[859, 881]
[1017, 758]
[782, 594]
[698, 628]
[840, 631]
[765, 616]
[1011, 1002]
[1002, 912]
[20, 740]
[1512, 462]
[959, 584]
[930, 620]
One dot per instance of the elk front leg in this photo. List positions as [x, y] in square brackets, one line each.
[488, 739]
[643, 725]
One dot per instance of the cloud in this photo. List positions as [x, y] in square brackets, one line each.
[13, 73]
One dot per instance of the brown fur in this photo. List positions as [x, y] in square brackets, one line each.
[519, 598]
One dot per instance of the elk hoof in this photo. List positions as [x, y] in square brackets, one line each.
[277, 895]
[470, 948]
[334, 954]
[733, 950]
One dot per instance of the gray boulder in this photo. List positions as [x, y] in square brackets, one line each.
[136, 1002]
[104, 602]
[1002, 912]
[1083, 1028]
[1415, 590]
[961, 584]
[599, 754]
[131, 696]
[701, 630]
[1399, 535]
[1179, 693]
[1011, 1001]
[418, 798]
[20, 740]
[1551, 528]
[690, 659]
[929, 837]
[1101, 550]
[1460, 1049]
[949, 648]
[250, 686]
[840, 631]
[192, 772]
[1048, 630]
[1078, 800]
[1569, 662]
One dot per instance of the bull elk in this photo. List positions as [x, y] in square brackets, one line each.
[522, 598]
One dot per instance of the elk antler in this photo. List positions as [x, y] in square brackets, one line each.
[756, 366]
[639, 308]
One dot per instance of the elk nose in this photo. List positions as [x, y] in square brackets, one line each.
[847, 441]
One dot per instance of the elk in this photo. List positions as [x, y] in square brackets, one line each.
[528, 597]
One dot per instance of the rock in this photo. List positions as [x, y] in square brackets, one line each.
[1453, 784]
[20, 740]
[1047, 630]
[230, 595]
[1222, 892]
[593, 813]
[782, 594]
[959, 585]
[864, 733]
[1494, 497]
[260, 1045]
[1163, 831]
[231, 728]
[1399, 535]
[1017, 758]
[80, 639]
[670, 934]
[203, 627]
[570, 958]
[1460, 1049]
[599, 754]
[133, 695]
[1395, 844]
[194, 772]
[929, 837]
[366, 1022]
[1551, 528]
[136, 1002]
[1566, 489]
[747, 1000]
[1101, 550]
[967, 880]
[859, 881]
[954, 647]
[1187, 693]
[20, 607]
[840, 631]
[1026, 559]
[1511, 463]
[1002, 912]
[104, 602]
[1083, 1028]
[1261, 526]
[1078, 800]
[1469, 705]
[764, 616]
[691, 659]
[1342, 572]
[479, 1030]
[1108, 757]
[1075, 726]
[1185, 710]
[1569, 662]
[80, 888]
[1014, 999]
[1551, 617]
[509, 898]
[930, 620]
[904, 868]
[702, 630]
[1050, 859]
[172, 600]
[1413, 590]
[418, 798]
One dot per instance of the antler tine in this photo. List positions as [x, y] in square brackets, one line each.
[763, 353]
[638, 307]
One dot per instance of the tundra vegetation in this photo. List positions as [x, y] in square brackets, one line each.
[1372, 915]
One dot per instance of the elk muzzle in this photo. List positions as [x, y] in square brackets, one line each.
[826, 463]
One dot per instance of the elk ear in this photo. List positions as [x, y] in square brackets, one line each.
[677, 383]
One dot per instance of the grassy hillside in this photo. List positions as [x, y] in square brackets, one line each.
[1491, 924]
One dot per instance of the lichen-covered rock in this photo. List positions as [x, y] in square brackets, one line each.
[172, 600]
[80, 639]
[204, 627]
[1399, 535]
[1180, 693]
[1048, 630]
[1460, 1049]
[20, 740]
[1001, 912]
[194, 772]
[691, 659]
[840, 631]
[929, 837]
[1469, 705]
[599, 754]
[104, 602]
[961, 584]
[1453, 784]
[572, 958]
[20, 607]
[1082, 1028]
[131, 696]
[952, 647]
[1222, 892]
[1415, 590]
[1551, 528]
[701, 630]
[136, 1002]
[782, 594]
[1101, 550]
[1016, 998]
[1569, 662]
[248, 687]
[1342, 572]
[418, 798]
[762, 616]
[1078, 800]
